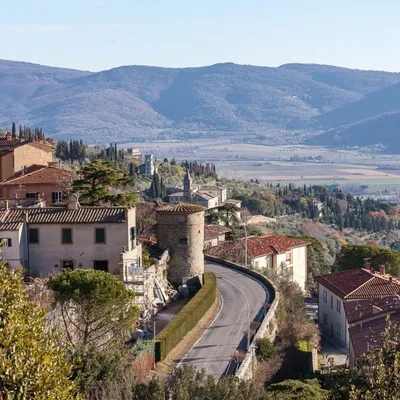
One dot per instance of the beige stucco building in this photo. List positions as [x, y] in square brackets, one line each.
[46, 240]
[16, 154]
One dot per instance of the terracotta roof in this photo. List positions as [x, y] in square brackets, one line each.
[181, 208]
[9, 224]
[357, 310]
[258, 246]
[39, 174]
[368, 335]
[213, 231]
[41, 146]
[211, 187]
[83, 215]
[359, 284]
[7, 145]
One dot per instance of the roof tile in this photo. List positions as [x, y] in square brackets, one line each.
[39, 174]
[359, 284]
[179, 208]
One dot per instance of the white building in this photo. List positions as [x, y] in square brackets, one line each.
[287, 256]
[346, 298]
[279, 254]
[46, 240]
[149, 165]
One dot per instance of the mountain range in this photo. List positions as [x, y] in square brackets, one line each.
[328, 105]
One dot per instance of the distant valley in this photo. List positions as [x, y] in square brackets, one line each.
[316, 104]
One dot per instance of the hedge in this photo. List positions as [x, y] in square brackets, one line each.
[187, 318]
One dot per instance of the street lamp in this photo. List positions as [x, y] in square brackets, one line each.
[245, 241]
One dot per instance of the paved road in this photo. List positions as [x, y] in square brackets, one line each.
[240, 294]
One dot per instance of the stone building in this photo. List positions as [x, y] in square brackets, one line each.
[180, 230]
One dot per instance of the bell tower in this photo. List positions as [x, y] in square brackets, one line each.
[187, 186]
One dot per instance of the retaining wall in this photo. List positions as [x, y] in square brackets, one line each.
[268, 327]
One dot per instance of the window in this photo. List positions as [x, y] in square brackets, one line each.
[133, 236]
[6, 242]
[325, 296]
[289, 258]
[331, 301]
[31, 195]
[100, 235]
[338, 306]
[66, 236]
[289, 273]
[183, 241]
[338, 329]
[67, 264]
[100, 265]
[56, 197]
[325, 319]
[33, 235]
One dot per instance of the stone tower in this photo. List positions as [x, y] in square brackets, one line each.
[149, 167]
[180, 229]
[187, 186]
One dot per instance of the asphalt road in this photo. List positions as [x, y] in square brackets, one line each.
[242, 300]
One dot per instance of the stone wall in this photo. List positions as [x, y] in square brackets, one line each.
[268, 327]
[183, 236]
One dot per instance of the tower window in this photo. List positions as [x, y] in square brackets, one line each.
[183, 241]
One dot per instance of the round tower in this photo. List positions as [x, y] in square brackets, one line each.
[180, 229]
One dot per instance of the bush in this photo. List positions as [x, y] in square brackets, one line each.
[187, 318]
[265, 349]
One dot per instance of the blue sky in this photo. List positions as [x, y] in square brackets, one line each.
[96, 35]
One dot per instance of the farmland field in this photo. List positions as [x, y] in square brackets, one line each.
[301, 164]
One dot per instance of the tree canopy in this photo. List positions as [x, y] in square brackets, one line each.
[100, 182]
[352, 256]
[96, 306]
[33, 364]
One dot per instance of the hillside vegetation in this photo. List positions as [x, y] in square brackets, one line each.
[142, 103]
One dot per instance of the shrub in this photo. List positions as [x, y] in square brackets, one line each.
[265, 349]
[187, 318]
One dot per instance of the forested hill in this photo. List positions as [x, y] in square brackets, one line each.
[140, 102]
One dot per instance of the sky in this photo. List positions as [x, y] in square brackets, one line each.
[96, 35]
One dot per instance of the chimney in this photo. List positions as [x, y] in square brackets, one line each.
[6, 205]
[73, 203]
[367, 264]
[382, 269]
[8, 136]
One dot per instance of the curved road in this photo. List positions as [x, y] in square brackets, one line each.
[242, 300]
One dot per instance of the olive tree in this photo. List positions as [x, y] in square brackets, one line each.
[33, 364]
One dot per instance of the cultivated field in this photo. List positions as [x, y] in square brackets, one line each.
[272, 163]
